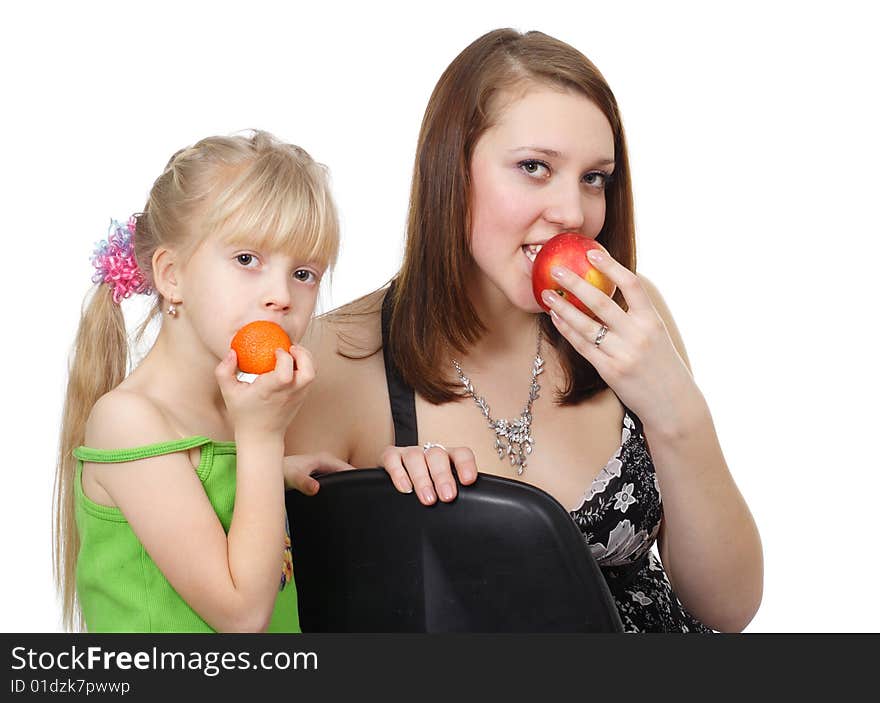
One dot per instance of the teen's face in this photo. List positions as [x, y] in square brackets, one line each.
[225, 286]
[540, 170]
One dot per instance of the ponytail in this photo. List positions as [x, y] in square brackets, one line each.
[100, 359]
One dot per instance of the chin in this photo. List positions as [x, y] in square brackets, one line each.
[531, 306]
[524, 300]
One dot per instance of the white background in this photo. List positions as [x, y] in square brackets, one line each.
[754, 148]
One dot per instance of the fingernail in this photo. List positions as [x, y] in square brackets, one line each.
[427, 495]
[557, 272]
[446, 491]
[594, 255]
[555, 317]
[548, 297]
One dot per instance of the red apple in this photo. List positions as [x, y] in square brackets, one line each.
[568, 249]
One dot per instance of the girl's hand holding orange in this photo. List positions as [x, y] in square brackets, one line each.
[268, 405]
[255, 345]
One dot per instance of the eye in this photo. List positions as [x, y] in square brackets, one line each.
[303, 275]
[598, 179]
[533, 168]
[246, 259]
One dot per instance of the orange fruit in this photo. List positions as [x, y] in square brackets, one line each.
[255, 345]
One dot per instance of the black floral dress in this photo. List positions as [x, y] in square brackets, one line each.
[620, 518]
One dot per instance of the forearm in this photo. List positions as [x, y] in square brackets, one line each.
[255, 540]
[711, 548]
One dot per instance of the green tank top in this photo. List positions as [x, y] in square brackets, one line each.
[119, 587]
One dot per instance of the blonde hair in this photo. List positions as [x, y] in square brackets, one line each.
[244, 188]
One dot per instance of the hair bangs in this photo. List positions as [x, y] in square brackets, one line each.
[272, 204]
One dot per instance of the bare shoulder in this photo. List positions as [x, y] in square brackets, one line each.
[123, 418]
[666, 315]
[347, 410]
[348, 334]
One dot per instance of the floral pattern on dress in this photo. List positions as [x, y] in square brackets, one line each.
[620, 519]
[625, 545]
[625, 498]
[287, 557]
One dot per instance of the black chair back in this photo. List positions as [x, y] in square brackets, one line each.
[502, 557]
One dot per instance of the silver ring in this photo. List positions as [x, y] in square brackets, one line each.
[427, 445]
[600, 335]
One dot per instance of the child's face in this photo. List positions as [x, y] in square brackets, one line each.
[539, 171]
[225, 286]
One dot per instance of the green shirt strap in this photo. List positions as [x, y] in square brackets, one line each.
[114, 456]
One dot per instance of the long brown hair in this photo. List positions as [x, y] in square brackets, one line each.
[254, 187]
[431, 312]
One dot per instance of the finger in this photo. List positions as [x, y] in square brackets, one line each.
[283, 371]
[441, 473]
[465, 464]
[302, 482]
[417, 467]
[597, 356]
[327, 464]
[596, 300]
[295, 467]
[575, 326]
[225, 370]
[393, 465]
[302, 462]
[304, 364]
[627, 281]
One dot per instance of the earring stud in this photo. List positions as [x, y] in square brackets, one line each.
[172, 310]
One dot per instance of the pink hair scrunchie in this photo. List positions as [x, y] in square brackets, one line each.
[115, 264]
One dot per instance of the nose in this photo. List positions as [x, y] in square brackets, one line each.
[277, 296]
[566, 207]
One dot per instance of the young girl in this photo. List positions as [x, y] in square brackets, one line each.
[171, 517]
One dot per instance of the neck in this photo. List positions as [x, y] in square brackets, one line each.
[510, 335]
[180, 370]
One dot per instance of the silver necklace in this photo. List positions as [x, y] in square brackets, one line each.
[512, 437]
